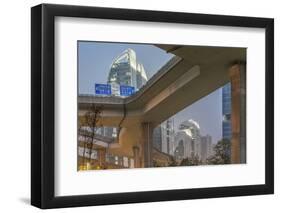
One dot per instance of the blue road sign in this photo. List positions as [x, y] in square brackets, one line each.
[126, 90]
[103, 89]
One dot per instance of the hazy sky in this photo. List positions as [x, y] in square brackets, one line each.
[95, 59]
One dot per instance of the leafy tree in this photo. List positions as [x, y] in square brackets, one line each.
[222, 153]
[173, 162]
[193, 161]
[156, 164]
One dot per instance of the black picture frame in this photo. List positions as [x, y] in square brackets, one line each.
[43, 102]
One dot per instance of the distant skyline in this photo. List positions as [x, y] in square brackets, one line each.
[95, 59]
[207, 112]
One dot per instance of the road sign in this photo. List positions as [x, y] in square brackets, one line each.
[126, 90]
[103, 89]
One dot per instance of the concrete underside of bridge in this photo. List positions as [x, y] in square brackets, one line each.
[192, 74]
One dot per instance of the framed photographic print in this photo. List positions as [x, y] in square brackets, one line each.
[140, 106]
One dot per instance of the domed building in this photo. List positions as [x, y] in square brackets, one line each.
[188, 140]
[183, 144]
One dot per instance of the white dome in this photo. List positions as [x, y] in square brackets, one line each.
[188, 124]
[194, 123]
[187, 132]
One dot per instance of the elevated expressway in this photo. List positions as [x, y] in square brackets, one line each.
[193, 73]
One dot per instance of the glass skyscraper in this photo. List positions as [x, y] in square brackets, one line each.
[125, 70]
[163, 136]
[226, 111]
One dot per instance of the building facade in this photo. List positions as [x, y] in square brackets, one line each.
[167, 136]
[226, 111]
[125, 70]
[206, 147]
[184, 145]
[157, 138]
[188, 138]
[164, 136]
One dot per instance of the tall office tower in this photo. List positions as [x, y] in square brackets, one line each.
[125, 70]
[189, 135]
[157, 138]
[206, 147]
[226, 111]
[164, 137]
[183, 144]
[167, 136]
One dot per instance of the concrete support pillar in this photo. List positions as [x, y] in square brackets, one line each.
[137, 160]
[238, 113]
[147, 146]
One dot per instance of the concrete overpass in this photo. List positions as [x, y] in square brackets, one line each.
[192, 74]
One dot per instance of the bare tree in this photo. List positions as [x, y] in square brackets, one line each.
[91, 119]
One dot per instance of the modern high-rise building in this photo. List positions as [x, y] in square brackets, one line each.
[206, 147]
[163, 137]
[157, 138]
[125, 70]
[226, 111]
[184, 146]
[189, 136]
[167, 128]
